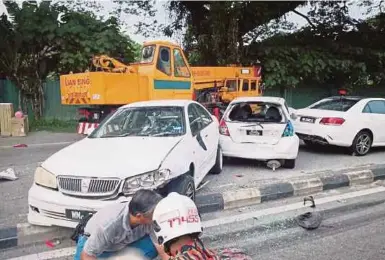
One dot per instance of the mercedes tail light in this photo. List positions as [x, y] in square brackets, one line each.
[223, 129]
[332, 121]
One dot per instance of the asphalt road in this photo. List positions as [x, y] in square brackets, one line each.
[352, 229]
[354, 234]
[236, 174]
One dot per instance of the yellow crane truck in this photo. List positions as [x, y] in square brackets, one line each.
[162, 73]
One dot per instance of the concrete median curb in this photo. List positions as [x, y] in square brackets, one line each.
[25, 234]
[296, 187]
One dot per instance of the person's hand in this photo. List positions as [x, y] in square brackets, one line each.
[160, 248]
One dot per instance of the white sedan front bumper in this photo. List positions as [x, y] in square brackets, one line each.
[287, 148]
[48, 207]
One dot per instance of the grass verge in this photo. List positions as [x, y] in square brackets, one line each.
[54, 125]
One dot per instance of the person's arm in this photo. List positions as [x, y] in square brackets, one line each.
[159, 248]
[96, 244]
[162, 254]
[85, 256]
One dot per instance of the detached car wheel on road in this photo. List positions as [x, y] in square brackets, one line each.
[353, 122]
[259, 128]
[168, 145]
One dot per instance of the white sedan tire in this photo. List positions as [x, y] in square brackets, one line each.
[362, 143]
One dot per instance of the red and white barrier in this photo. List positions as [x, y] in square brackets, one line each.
[84, 126]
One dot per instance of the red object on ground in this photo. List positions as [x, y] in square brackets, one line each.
[52, 243]
[49, 244]
[20, 145]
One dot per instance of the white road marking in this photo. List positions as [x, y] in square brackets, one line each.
[68, 251]
[65, 252]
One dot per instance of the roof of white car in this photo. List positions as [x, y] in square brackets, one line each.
[260, 99]
[354, 98]
[160, 103]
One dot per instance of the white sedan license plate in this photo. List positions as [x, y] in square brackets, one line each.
[307, 119]
[77, 214]
[254, 132]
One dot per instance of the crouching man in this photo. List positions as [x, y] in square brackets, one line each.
[118, 226]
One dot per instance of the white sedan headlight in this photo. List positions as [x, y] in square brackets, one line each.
[146, 180]
[45, 178]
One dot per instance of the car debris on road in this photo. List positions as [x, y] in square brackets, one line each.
[8, 174]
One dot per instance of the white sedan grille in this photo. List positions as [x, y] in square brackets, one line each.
[88, 186]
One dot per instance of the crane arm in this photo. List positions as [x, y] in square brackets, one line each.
[109, 64]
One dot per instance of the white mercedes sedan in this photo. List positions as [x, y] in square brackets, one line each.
[166, 145]
[354, 122]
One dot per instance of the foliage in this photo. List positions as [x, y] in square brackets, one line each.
[82, 36]
[28, 49]
[334, 49]
[218, 31]
[121, 10]
[53, 125]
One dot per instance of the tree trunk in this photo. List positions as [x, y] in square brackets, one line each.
[20, 107]
[36, 99]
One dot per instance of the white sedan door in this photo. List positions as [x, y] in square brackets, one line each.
[374, 113]
[205, 140]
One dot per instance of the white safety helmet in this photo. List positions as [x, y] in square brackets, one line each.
[174, 216]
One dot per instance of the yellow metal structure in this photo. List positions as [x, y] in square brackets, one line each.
[162, 73]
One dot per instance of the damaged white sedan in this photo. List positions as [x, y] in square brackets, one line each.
[168, 145]
[259, 128]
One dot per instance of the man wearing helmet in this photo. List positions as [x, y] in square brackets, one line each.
[177, 226]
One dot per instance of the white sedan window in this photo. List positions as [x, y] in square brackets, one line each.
[143, 121]
[256, 112]
[375, 107]
[199, 118]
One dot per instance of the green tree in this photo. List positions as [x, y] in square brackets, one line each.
[220, 30]
[334, 50]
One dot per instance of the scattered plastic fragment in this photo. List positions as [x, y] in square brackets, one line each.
[20, 145]
[233, 254]
[52, 243]
[8, 174]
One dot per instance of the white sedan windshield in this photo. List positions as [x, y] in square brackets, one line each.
[143, 121]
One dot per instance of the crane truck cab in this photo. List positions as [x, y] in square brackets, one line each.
[162, 72]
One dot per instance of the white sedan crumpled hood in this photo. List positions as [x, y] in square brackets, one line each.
[119, 157]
